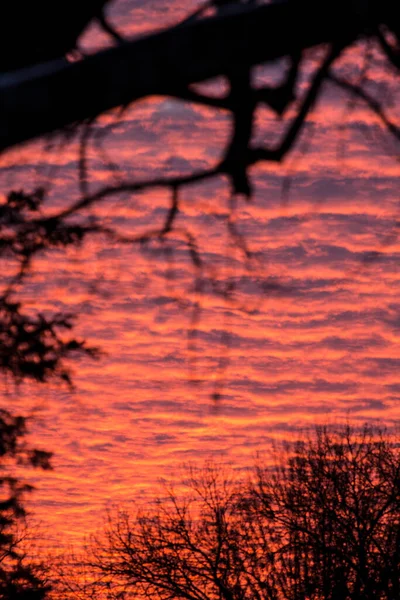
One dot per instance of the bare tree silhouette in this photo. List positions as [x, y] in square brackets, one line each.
[335, 508]
[323, 524]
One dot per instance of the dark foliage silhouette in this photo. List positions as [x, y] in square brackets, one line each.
[32, 346]
[22, 577]
[323, 524]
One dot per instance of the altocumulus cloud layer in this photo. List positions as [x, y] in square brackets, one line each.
[312, 331]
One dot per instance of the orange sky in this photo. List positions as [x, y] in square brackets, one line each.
[312, 333]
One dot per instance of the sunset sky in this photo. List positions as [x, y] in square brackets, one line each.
[310, 335]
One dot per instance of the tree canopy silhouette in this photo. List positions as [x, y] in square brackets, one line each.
[322, 524]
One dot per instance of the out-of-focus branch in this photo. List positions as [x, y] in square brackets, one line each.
[45, 98]
[371, 102]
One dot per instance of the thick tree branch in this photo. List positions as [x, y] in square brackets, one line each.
[49, 97]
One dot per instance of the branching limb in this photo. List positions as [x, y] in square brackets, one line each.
[207, 48]
[277, 154]
[234, 162]
[172, 213]
[373, 104]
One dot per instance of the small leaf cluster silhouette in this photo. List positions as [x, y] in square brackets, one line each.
[34, 345]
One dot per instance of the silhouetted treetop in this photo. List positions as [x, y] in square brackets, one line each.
[323, 524]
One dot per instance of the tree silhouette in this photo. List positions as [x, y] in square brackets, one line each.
[335, 503]
[235, 39]
[323, 524]
[41, 94]
[22, 577]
